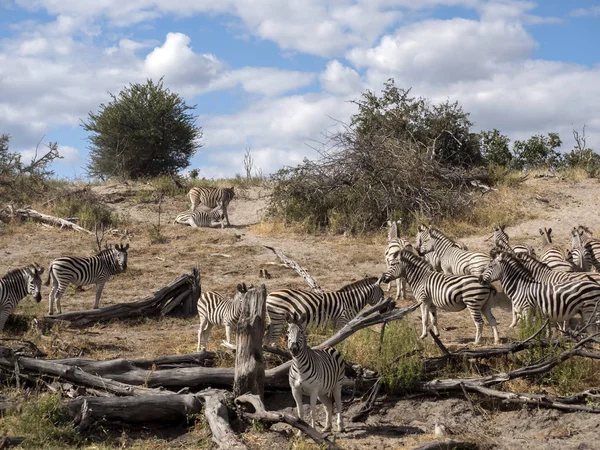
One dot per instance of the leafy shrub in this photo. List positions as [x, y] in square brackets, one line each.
[88, 208]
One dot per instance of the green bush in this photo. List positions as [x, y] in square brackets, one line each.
[43, 422]
[88, 208]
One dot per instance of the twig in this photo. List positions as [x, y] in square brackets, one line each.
[439, 343]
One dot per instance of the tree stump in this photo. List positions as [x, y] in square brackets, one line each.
[249, 362]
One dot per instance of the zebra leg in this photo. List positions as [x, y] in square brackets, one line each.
[424, 319]
[487, 312]
[207, 331]
[433, 320]
[275, 330]
[226, 215]
[313, 407]
[297, 394]
[398, 288]
[99, 288]
[476, 316]
[228, 333]
[515, 317]
[337, 396]
[403, 289]
[328, 406]
[201, 329]
[59, 293]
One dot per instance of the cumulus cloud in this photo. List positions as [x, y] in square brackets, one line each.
[340, 79]
[268, 81]
[592, 11]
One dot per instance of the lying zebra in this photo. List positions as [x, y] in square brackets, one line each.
[206, 219]
[446, 292]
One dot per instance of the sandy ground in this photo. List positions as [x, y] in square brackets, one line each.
[333, 261]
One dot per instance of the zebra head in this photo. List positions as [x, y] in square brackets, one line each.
[296, 332]
[500, 236]
[422, 239]
[122, 256]
[494, 269]
[33, 275]
[577, 237]
[396, 270]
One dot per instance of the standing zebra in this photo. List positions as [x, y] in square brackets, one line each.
[446, 292]
[316, 373]
[553, 255]
[82, 271]
[501, 241]
[16, 285]
[211, 197]
[212, 218]
[338, 307]
[558, 302]
[215, 309]
[453, 260]
[395, 244]
[586, 249]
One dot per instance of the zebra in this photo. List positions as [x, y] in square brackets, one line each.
[447, 292]
[211, 197]
[16, 285]
[422, 233]
[316, 373]
[82, 271]
[586, 249]
[395, 244]
[215, 309]
[501, 241]
[338, 307]
[558, 302]
[212, 218]
[553, 255]
[453, 260]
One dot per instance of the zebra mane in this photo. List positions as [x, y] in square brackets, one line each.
[107, 251]
[407, 255]
[437, 234]
[14, 272]
[368, 281]
[525, 258]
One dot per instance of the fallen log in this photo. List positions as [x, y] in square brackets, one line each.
[448, 444]
[45, 218]
[300, 270]
[10, 441]
[184, 292]
[270, 417]
[202, 358]
[216, 414]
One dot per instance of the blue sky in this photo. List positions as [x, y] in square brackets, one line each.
[270, 74]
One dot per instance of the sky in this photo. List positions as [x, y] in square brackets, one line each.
[273, 76]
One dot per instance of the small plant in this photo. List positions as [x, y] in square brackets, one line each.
[156, 237]
[87, 208]
[43, 422]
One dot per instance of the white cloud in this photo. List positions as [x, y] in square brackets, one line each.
[340, 79]
[592, 11]
[268, 81]
[446, 51]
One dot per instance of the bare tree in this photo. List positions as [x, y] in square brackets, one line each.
[248, 163]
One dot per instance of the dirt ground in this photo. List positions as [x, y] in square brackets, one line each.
[227, 257]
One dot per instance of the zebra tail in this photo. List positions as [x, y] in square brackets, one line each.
[349, 371]
[47, 282]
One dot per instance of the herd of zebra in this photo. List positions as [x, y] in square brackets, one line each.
[441, 273]
[212, 197]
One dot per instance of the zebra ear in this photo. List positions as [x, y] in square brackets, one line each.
[126, 247]
[541, 232]
[549, 231]
[39, 270]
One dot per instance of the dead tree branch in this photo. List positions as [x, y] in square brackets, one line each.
[300, 270]
[45, 218]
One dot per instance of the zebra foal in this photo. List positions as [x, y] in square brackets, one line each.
[453, 260]
[82, 271]
[338, 307]
[451, 293]
[16, 285]
[392, 250]
[316, 373]
[558, 302]
[215, 309]
[206, 219]
[211, 197]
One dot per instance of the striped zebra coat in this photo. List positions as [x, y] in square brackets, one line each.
[586, 249]
[16, 285]
[392, 250]
[558, 302]
[447, 292]
[553, 255]
[215, 309]
[453, 260]
[316, 373]
[82, 271]
[501, 240]
[338, 307]
[211, 197]
[206, 219]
